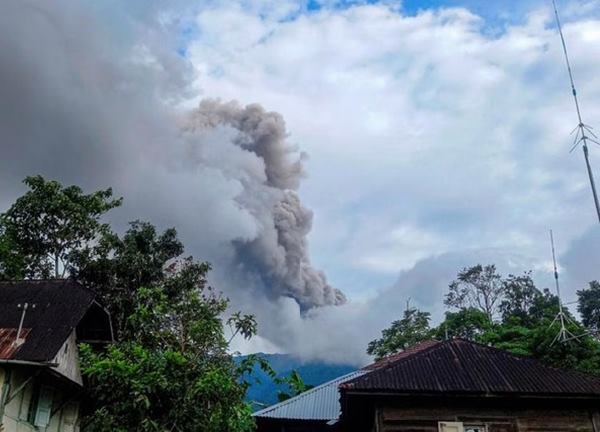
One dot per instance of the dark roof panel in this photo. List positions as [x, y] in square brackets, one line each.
[59, 306]
[463, 367]
[400, 355]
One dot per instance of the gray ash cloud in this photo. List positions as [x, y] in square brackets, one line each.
[278, 256]
[94, 99]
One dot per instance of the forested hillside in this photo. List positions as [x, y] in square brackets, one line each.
[263, 390]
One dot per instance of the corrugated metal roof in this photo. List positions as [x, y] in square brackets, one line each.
[319, 403]
[400, 355]
[8, 339]
[464, 367]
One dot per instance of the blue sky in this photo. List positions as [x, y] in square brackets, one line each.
[490, 9]
[494, 10]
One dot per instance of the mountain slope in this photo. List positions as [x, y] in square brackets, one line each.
[263, 391]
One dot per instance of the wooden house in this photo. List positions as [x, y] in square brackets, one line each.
[461, 386]
[318, 409]
[41, 324]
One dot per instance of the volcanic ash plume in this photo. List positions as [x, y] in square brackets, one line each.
[92, 103]
[277, 257]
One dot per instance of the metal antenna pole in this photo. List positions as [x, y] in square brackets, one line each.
[564, 335]
[555, 271]
[581, 128]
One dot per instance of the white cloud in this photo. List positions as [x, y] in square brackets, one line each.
[426, 135]
[398, 249]
[416, 121]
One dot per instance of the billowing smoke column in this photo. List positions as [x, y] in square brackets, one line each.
[97, 100]
[278, 256]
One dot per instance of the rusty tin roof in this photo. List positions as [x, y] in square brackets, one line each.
[462, 367]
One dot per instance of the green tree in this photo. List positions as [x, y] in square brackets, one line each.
[520, 297]
[12, 263]
[588, 306]
[49, 223]
[544, 307]
[120, 266]
[404, 333]
[295, 385]
[467, 323]
[525, 320]
[582, 353]
[177, 374]
[170, 368]
[527, 326]
[477, 287]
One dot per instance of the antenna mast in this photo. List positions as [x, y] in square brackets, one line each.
[581, 128]
[564, 335]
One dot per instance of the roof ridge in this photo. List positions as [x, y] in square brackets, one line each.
[479, 369]
[531, 359]
[35, 280]
[394, 363]
[411, 354]
[57, 281]
[311, 391]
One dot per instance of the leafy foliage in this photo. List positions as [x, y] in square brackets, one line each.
[588, 305]
[120, 266]
[526, 323]
[140, 389]
[520, 296]
[476, 287]
[263, 387]
[12, 263]
[177, 375]
[170, 369]
[410, 330]
[46, 225]
[467, 323]
[295, 383]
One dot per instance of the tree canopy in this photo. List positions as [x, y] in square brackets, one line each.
[48, 224]
[170, 368]
[510, 313]
[477, 287]
[176, 374]
[411, 329]
[295, 385]
[588, 305]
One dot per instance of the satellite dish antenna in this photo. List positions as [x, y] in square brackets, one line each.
[583, 132]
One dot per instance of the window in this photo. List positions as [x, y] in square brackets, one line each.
[475, 428]
[461, 427]
[450, 427]
[40, 409]
[44, 407]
